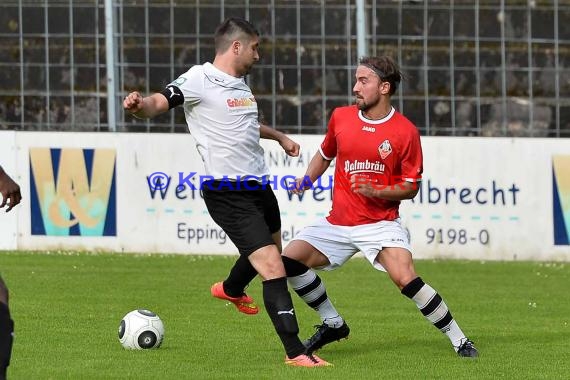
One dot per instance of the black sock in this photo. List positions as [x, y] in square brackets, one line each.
[6, 331]
[279, 306]
[293, 267]
[241, 274]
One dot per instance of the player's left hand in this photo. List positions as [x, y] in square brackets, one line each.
[362, 185]
[290, 147]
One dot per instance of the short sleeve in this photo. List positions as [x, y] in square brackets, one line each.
[191, 83]
[412, 159]
[328, 147]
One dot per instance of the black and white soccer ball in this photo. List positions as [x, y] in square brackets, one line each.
[141, 329]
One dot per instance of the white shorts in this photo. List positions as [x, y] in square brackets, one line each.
[340, 243]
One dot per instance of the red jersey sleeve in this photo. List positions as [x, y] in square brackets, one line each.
[328, 146]
[412, 159]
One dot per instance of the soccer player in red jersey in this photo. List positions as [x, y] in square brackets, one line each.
[378, 164]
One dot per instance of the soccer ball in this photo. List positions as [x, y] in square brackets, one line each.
[141, 329]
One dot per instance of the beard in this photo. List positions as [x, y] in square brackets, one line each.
[247, 68]
[361, 104]
[365, 106]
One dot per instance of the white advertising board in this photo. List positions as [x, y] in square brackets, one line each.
[70, 185]
[489, 199]
[8, 221]
[492, 198]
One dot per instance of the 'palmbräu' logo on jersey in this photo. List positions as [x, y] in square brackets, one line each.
[385, 149]
[355, 166]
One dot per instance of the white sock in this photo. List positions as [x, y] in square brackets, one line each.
[455, 335]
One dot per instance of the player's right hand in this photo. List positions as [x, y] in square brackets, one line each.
[9, 190]
[300, 185]
[133, 102]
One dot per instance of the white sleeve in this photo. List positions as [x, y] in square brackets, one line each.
[191, 83]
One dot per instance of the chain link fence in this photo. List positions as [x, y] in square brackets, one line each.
[473, 68]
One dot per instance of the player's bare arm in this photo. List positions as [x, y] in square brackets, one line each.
[145, 107]
[289, 146]
[396, 192]
[316, 168]
[10, 191]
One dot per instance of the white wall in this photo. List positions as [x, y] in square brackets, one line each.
[489, 199]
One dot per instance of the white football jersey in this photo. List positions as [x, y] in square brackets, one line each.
[221, 114]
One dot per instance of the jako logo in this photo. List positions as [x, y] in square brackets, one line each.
[561, 199]
[73, 192]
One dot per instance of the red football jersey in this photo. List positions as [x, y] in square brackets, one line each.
[386, 152]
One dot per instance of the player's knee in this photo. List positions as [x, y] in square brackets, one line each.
[270, 269]
[267, 261]
[273, 269]
[305, 254]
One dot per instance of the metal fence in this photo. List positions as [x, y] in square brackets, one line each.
[481, 68]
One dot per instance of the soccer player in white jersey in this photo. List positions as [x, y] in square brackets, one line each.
[378, 164]
[11, 196]
[221, 113]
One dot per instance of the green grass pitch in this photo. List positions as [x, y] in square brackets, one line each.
[67, 308]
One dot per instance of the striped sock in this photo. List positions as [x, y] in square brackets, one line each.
[434, 309]
[312, 290]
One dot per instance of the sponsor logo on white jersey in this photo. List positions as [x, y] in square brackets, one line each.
[241, 102]
[239, 105]
[179, 81]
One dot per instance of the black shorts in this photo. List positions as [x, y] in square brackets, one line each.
[248, 217]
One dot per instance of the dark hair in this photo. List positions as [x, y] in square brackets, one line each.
[386, 69]
[231, 29]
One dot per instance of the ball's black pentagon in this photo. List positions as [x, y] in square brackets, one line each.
[122, 329]
[148, 313]
[147, 339]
